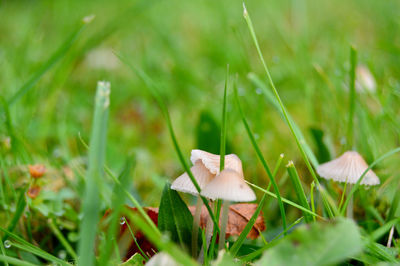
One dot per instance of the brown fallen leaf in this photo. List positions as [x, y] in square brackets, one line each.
[238, 217]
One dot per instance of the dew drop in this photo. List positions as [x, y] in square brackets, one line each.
[7, 244]
[62, 254]
[122, 221]
[258, 91]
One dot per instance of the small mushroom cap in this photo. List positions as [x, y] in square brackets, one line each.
[229, 185]
[162, 259]
[202, 175]
[348, 167]
[211, 161]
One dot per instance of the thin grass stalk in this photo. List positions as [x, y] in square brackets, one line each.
[134, 239]
[14, 261]
[161, 242]
[261, 157]
[352, 98]
[21, 204]
[26, 246]
[154, 91]
[261, 250]
[225, 210]
[291, 203]
[134, 201]
[118, 199]
[272, 99]
[94, 178]
[356, 185]
[239, 242]
[299, 144]
[294, 177]
[62, 239]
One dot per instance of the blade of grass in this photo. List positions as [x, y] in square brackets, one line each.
[294, 177]
[134, 239]
[58, 54]
[134, 201]
[62, 239]
[355, 186]
[221, 167]
[378, 233]
[223, 123]
[278, 98]
[21, 203]
[94, 180]
[154, 92]
[25, 245]
[352, 98]
[161, 242]
[118, 199]
[239, 242]
[291, 203]
[260, 156]
[271, 98]
[15, 261]
[259, 251]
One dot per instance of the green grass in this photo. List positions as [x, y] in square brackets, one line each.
[292, 88]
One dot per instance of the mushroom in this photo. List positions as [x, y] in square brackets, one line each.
[205, 167]
[228, 186]
[162, 259]
[348, 168]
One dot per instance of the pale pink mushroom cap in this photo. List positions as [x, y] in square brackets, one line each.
[206, 167]
[202, 175]
[229, 185]
[348, 168]
[211, 161]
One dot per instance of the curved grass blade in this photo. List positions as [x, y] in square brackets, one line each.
[62, 239]
[355, 187]
[160, 241]
[261, 157]
[271, 98]
[118, 199]
[21, 203]
[352, 98]
[60, 53]
[134, 239]
[284, 112]
[134, 201]
[239, 242]
[14, 261]
[294, 177]
[26, 246]
[94, 180]
[222, 162]
[260, 251]
[291, 203]
[154, 92]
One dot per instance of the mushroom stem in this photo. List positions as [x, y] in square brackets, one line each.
[209, 230]
[224, 222]
[349, 210]
[389, 243]
[195, 228]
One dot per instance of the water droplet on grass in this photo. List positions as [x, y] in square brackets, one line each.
[62, 254]
[7, 244]
[122, 221]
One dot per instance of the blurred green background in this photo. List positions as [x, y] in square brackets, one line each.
[185, 47]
